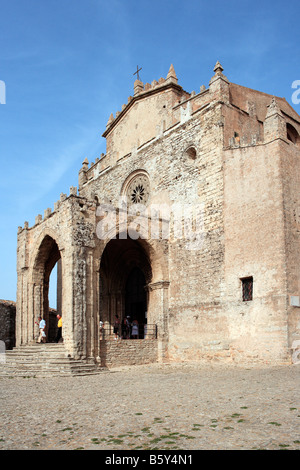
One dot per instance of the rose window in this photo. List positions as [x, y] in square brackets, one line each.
[138, 190]
[138, 194]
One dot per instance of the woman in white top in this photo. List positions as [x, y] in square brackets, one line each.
[135, 329]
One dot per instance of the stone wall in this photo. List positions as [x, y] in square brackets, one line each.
[224, 151]
[255, 248]
[128, 352]
[7, 323]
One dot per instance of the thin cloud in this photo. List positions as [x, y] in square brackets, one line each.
[42, 176]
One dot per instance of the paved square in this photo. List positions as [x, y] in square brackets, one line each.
[155, 407]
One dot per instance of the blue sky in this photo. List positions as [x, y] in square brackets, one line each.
[68, 64]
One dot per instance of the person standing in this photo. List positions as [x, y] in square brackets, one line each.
[135, 329]
[124, 328]
[59, 328]
[42, 326]
[101, 327]
[116, 327]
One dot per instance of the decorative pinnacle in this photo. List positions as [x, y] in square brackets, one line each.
[273, 108]
[218, 68]
[110, 120]
[171, 74]
[274, 103]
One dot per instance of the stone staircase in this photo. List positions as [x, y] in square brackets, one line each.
[43, 360]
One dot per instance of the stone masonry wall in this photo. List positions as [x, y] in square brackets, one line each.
[7, 323]
[128, 352]
[290, 162]
[243, 230]
[176, 178]
[225, 152]
[255, 247]
[72, 227]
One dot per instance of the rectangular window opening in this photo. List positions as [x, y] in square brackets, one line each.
[247, 288]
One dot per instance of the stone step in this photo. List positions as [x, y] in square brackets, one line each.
[41, 360]
[47, 372]
[37, 357]
[37, 370]
[40, 347]
[47, 364]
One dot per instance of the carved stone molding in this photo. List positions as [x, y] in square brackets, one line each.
[158, 285]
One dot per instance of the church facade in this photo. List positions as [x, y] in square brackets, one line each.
[190, 224]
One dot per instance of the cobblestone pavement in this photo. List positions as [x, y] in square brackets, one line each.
[182, 407]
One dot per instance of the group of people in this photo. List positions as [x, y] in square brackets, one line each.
[128, 329]
[123, 330]
[42, 330]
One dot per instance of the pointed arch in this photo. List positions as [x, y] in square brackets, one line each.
[44, 258]
[126, 264]
[292, 134]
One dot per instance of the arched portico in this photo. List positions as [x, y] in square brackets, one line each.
[46, 257]
[133, 281]
[99, 279]
[124, 266]
[33, 285]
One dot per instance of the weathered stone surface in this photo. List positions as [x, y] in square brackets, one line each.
[230, 153]
[155, 406]
[128, 352]
[7, 323]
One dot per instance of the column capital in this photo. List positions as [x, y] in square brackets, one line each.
[158, 285]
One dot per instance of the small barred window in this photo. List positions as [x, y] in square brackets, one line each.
[247, 288]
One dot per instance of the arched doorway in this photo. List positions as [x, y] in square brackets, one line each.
[48, 257]
[125, 272]
[136, 296]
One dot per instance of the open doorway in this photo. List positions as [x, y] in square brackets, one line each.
[136, 296]
[125, 272]
[55, 301]
[48, 285]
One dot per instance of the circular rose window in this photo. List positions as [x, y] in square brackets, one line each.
[138, 190]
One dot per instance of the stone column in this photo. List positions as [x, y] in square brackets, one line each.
[92, 305]
[83, 233]
[158, 313]
[79, 304]
[37, 302]
[97, 310]
[59, 288]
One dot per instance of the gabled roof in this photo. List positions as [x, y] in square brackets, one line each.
[142, 92]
